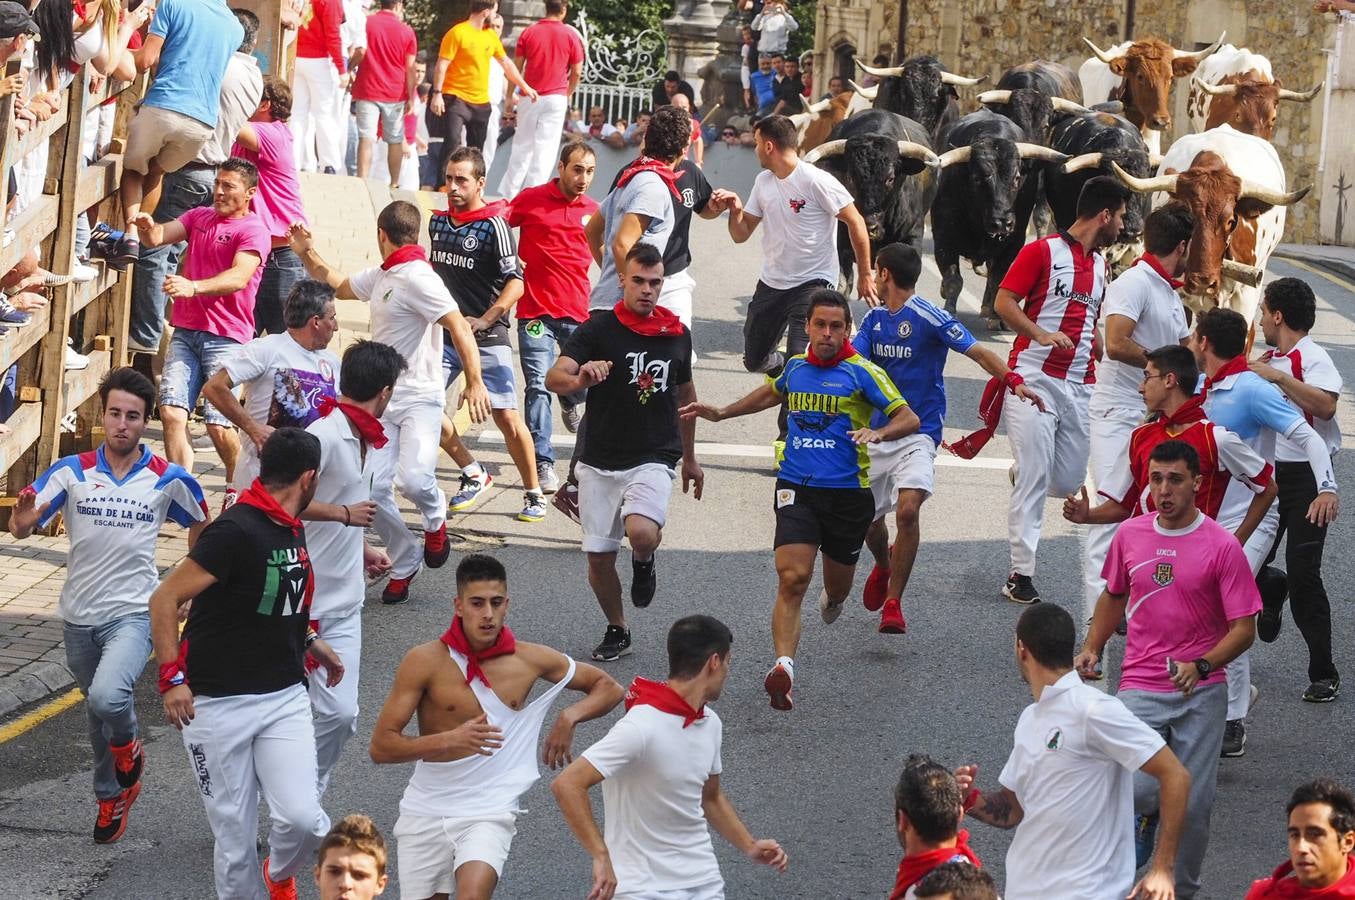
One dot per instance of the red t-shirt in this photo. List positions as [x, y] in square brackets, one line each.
[1282, 885]
[1062, 289]
[550, 47]
[318, 35]
[554, 251]
[381, 74]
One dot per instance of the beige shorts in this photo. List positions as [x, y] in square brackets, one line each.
[429, 849]
[169, 139]
[607, 496]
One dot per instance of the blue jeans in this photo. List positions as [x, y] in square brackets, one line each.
[193, 357]
[106, 661]
[280, 273]
[537, 340]
[181, 191]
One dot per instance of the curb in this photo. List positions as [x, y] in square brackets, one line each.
[1338, 267]
[32, 683]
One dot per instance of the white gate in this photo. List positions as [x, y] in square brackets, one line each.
[619, 73]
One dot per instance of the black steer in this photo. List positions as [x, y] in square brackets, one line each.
[922, 90]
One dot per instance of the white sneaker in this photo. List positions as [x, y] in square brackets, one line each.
[828, 609]
[75, 361]
[83, 274]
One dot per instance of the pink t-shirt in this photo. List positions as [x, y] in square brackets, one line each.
[550, 47]
[1184, 587]
[212, 245]
[277, 202]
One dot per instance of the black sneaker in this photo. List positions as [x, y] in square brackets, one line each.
[112, 819]
[1274, 587]
[1234, 739]
[643, 582]
[615, 644]
[1020, 589]
[1324, 690]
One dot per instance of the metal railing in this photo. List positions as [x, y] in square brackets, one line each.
[617, 102]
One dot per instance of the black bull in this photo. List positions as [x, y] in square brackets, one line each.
[1116, 140]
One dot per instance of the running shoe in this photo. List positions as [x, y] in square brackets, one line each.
[778, 683]
[128, 761]
[644, 581]
[877, 583]
[470, 491]
[615, 644]
[1274, 587]
[74, 361]
[79, 274]
[228, 499]
[571, 415]
[1324, 690]
[112, 819]
[545, 474]
[396, 591]
[279, 890]
[436, 547]
[1234, 739]
[772, 364]
[534, 507]
[1020, 589]
[891, 618]
[566, 500]
[11, 314]
[828, 609]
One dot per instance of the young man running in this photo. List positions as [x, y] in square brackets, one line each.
[474, 255]
[635, 361]
[410, 307]
[823, 500]
[928, 809]
[910, 339]
[115, 501]
[475, 755]
[660, 772]
[351, 861]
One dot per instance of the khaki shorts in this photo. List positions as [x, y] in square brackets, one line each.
[169, 139]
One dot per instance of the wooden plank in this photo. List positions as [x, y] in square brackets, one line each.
[31, 227]
[17, 341]
[24, 425]
[83, 295]
[7, 137]
[98, 181]
[40, 133]
[82, 384]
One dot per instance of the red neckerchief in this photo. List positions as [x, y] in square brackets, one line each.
[259, 498]
[1234, 366]
[368, 426]
[407, 253]
[846, 351]
[455, 637]
[488, 211]
[1295, 366]
[649, 164]
[913, 869]
[1282, 885]
[990, 413]
[1188, 413]
[659, 695]
[1156, 265]
[659, 323]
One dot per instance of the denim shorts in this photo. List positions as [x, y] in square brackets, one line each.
[192, 358]
[392, 116]
[496, 368]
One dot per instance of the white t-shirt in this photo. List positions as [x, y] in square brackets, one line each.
[799, 227]
[353, 33]
[655, 772]
[344, 478]
[1144, 296]
[407, 301]
[646, 194]
[1072, 768]
[1319, 371]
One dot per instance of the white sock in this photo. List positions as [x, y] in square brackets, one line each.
[788, 663]
[474, 470]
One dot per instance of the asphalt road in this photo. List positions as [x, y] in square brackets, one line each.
[819, 779]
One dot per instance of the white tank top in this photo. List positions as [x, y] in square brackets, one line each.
[484, 785]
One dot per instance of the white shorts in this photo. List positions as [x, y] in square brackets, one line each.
[429, 849]
[906, 464]
[715, 890]
[606, 497]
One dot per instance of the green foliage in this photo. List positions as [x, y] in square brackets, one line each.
[803, 38]
[623, 18]
[430, 19]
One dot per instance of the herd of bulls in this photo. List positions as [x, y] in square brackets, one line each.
[903, 150]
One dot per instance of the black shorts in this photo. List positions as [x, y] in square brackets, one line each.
[833, 519]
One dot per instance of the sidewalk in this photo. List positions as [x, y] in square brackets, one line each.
[1339, 261]
[343, 215]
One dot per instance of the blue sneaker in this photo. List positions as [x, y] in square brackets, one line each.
[471, 489]
[534, 509]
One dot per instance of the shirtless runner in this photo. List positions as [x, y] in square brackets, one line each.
[476, 749]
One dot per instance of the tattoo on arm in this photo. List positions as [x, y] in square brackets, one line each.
[996, 809]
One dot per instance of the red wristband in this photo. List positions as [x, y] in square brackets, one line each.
[1013, 380]
[971, 799]
[171, 676]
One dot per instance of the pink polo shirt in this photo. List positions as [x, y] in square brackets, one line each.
[213, 242]
[277, 202]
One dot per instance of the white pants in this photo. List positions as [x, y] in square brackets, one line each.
[1050, 449]
[315, 117]
[1257, 549]
[676, 295]
[239, 747]
[336, 708]
[1110, 433]
[536, 144]
[408, 461]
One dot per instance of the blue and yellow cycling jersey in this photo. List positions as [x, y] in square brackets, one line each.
[822, 405]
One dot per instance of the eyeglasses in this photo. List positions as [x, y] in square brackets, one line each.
[1147, 377]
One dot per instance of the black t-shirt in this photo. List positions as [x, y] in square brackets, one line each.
[790, 90]
[695, 191]
[246, 634]
[475, 260]
[660, 94]
[632, 416]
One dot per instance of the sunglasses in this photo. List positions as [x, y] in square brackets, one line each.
[728, 134]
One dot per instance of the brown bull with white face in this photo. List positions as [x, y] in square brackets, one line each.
[1249, 102]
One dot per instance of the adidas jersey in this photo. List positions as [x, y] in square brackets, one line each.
[113, 526]
[475, 260]
[911, 346]
[1062, 289]
[822, 405]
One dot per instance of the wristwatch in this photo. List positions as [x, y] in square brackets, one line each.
[1204, 667]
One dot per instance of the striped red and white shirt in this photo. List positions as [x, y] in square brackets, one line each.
[1063, 289]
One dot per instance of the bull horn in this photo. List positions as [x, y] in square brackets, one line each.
[867, 92]
[959, 80]
[1100, 54]
[821, 106]
[1252, 191]
[996, 97]
[1145, 185]
[824, 150]
[1198, 55]
[1216, 90]
[801, 120]
[1242, 273]
[1067, 106]
[889, 72]
[914, 150]
[1037, 151]
[1302, 96]
[1083, 161]
[957, 157]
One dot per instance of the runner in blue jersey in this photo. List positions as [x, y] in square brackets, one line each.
[823, 500]
[910, 338]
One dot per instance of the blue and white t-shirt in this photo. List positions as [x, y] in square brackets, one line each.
[113, 526]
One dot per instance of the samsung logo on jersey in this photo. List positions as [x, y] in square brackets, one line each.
[891, 351]
[448, 258]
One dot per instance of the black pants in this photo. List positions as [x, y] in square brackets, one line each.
[772, 313]
[1303, 564]
[459, 116]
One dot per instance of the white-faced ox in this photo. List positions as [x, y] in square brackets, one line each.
[1235, 87]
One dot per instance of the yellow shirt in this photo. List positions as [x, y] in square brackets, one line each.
[468, 50]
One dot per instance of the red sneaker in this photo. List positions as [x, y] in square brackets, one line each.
[891, 619]
[279, 890]
[778, 685]
[876, 585]
[436, 548]
[397, 591]
[128, 761]
[112, 820]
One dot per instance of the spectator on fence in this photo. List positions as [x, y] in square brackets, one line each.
[266, 141]
[835, 86]
[574, 123]
[385, 87]
[599, 129]
[774, 25]
[319, 79]
[213, 304]
[498, 96]
[549, 54]
[697, 151]
[729, 136]
[807, 73]
[672, 84]
[790, 90]
[634, 134]
[764, 87]
[190, 187]
[747, 57]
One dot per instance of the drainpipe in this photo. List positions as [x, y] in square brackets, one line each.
[1129, 10]
[1333, 60]
[902, 43]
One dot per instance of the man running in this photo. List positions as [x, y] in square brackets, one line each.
[823, 500]
[475, 755]
[660, 772]
[115, 501]
[236, 684]
[910, 339]
[928, 809]
[351, 862]
[410, 307]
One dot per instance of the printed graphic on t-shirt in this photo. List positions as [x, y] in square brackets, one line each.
[284, 586]
[297, 395]
[650, 376]
[797, 205]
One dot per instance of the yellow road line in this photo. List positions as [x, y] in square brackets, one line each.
[1321, 273]
[29, 721]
